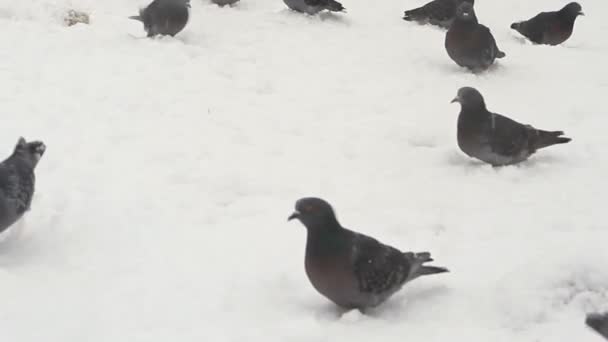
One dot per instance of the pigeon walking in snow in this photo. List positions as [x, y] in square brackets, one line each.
[599, 323]
[224, 2]
[313, 7]
[496, 139]
[551, 28]
[17, 181]
[164, 17]
[469, 43]
[437, 12]
[350, 269]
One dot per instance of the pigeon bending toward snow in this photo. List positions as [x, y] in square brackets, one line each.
[470, 44]
[496, 139]
[164, 17]
[599, 323]
[350, 269]
[551, 28]
[437, 12]
[17, 181]
[313, 7]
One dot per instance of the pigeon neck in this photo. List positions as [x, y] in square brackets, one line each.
[21, 161]
[324, 241]
[470, 22]
[476, 108]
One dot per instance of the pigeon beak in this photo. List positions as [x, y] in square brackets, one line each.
[456, 99]
[295, 215]
[581, 13]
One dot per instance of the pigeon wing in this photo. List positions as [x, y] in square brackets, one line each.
[507, 137]
[378, 267]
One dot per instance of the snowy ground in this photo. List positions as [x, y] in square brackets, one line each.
[172, 165]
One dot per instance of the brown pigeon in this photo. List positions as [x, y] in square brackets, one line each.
[353, 270]
[437, 12]
[470, 44]
[496, 139]
[550, 28]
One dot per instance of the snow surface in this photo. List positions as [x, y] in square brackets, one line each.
[173, 163]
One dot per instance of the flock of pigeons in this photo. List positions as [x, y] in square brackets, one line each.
[353, 270]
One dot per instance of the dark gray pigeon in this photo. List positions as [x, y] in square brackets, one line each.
[17, 181]
[599, 323]
[496, 139]
[164, 17]
[224, 2]
[470, 44]
[437, 12]
[313, 7]
[551, 28]
[350, 269]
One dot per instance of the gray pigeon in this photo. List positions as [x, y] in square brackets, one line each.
[17, 181]
[551, 28]
[437, 12]
[496, 139]
[164, 17]
[350, 269]
[599, 323]
[224, 2]
[313, 7]
[470, 44]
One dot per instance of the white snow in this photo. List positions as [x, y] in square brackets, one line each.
[173, 163]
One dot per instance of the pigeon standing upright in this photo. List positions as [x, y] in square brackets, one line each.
[437, 12]
[469, 43]
[551, 28]
[599, 323]
[353, 270]
[17, 181]
[496, 139]
[164, 17]
[313, 7]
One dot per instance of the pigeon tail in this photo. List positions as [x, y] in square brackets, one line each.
[335, 6]
[139, 17]
[428, 270]
[416, 14]
[516, 26]
[500, 54]
[546, 139]
[418, 269]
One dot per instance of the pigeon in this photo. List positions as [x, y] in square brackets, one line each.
[313, 7]
[353, 270]
[164, 17]
[17, 181]
[224, 2]
[496, 139]
[437, 12]
[469, 43]
[551, 28]
[599, 323]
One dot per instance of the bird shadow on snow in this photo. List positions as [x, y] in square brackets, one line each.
[395, 307]
[14, 245]
[412, 301]
[457, 159]
[322, 17]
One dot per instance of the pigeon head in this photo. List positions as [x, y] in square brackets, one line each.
[469, 98]
[30, 151]
[466, 12]
[314, 213]
[572, 10]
